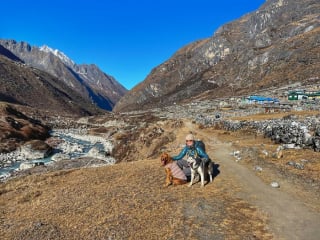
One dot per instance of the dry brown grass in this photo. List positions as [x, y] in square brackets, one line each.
[276, 115]
[124, 201]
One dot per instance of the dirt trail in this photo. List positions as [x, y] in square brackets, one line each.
[289, 217]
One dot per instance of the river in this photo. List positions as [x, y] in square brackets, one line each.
[73, 145]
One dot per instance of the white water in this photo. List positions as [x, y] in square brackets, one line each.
[74, 145]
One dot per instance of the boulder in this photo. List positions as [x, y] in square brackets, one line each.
[26, 165]
[59, 157]
[35, 149]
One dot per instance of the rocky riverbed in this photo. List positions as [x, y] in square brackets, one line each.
[64, 144]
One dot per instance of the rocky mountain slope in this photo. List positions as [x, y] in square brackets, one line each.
[86, 80]
[27, 86]
[276, 45]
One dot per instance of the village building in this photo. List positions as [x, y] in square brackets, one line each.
[303, 95]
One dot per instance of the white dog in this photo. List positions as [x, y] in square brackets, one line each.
[202, 168]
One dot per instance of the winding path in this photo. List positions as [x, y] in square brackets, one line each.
[289, 217]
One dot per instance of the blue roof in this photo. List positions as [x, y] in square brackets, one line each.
[262, 99]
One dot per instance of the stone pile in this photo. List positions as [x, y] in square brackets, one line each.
[289, 132]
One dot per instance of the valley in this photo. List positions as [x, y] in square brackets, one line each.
[127, 199]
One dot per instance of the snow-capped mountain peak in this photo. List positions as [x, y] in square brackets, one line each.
[57, 53]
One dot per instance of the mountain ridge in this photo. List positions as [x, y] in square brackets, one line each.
[276, 45]
[57, 53]
[31, 87]
[66, 70]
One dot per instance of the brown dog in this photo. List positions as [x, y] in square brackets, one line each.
[174, 174]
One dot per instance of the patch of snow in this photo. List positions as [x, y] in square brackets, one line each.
[64, 58]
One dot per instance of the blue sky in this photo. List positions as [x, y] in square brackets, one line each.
[124, 38]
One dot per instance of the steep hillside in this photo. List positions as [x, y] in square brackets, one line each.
[16, 128]
[87, 80]
[276, 45]
[21, 84]
[8, 54]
